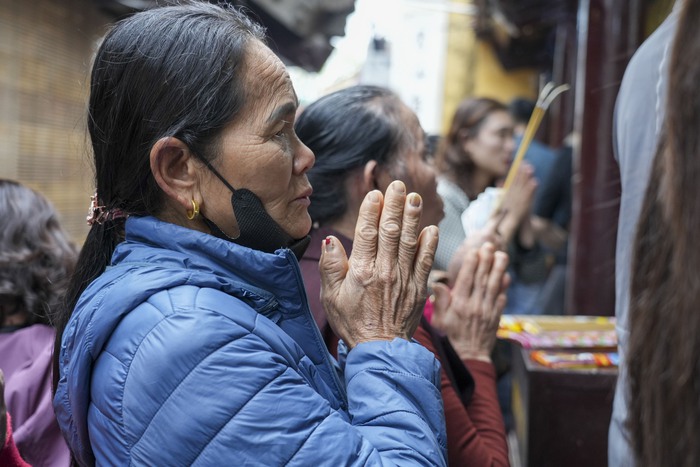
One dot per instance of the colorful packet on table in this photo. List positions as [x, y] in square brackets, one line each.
[575, 360]
[564, 332]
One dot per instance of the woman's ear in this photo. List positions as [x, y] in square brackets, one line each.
[369, 179]
[174, 168]
[465, 140]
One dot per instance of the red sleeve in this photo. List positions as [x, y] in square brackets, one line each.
[9, 455]
[475, 434]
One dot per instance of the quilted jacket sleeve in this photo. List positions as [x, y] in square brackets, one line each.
[216, 391]
[395, 403]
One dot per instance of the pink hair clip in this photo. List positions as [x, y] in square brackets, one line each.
[94, 211]
[97, 213]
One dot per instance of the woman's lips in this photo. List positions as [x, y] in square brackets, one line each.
[305, 197]
[303, 201]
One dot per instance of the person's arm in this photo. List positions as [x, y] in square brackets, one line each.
[265, 402]
[469, 315]
[516, 209]
[374, 299]
[486, 416]
[548, 233]
[9, 454]
[261, 406]
[475, 432]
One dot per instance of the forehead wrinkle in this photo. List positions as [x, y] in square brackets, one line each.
[264, 64]
[285, 109]
[270, 87]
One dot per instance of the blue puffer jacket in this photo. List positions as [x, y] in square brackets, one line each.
[190, 350]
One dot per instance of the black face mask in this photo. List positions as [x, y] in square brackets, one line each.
[257, 229]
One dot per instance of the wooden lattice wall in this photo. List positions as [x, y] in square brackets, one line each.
[45, 53]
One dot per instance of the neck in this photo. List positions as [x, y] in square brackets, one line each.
[15, 319]
[471, 184]
[480, 181]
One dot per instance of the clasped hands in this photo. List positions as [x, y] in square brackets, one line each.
[379, 292]
[469, 313]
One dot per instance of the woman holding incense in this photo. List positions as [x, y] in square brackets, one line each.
[476, 154]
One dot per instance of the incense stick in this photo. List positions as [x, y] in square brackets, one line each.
[546, 97]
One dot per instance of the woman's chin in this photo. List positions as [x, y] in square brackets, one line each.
[301, 226]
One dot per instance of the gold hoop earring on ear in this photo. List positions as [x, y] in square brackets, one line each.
[195, 211]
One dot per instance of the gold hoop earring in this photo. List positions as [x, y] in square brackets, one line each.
[195, 210]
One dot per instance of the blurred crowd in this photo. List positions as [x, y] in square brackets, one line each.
[267, 284]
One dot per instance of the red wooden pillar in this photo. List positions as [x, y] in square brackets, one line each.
[609, 31]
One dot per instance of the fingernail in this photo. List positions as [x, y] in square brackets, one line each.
[374, 196]
[328, 244]
[398, 187]
[415, 200]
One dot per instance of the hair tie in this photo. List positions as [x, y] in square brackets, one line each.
[98, 213]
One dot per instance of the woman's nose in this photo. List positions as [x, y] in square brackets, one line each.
[510, 145]
[304, 158]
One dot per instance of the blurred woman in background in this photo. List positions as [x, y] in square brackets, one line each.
[477, 152]
[36, 260]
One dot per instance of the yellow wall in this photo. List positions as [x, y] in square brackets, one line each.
[473, 70]
[656, 12]
[493, 81]
[460, 78]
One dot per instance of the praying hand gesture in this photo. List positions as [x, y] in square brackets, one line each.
[469, 313]
[379, 293]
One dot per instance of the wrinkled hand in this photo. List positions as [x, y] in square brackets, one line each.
[3, 412]
[379, 293]
[469, 314]
[489, 233]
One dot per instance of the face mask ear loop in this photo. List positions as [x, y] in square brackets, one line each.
[218, 175]
[212, 226]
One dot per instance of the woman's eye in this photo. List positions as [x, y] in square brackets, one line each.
[503, 134]
[283, 132]
[427, 153]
